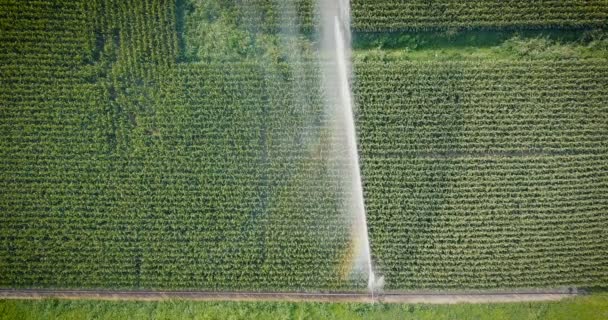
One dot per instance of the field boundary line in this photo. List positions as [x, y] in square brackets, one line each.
[385, 297]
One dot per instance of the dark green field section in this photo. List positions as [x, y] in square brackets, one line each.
[122, 169]
[425, 15]
[484, 174]
[420, 15]
[132, 157]
[495, 107]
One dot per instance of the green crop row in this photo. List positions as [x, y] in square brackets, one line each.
[409, 108]
[485, 174]
[122, 166]
[424, 15]
[123, 169]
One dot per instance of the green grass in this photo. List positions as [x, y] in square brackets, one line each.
[588, 307]
[477, 45]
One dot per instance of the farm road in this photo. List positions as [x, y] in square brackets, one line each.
[387, 297]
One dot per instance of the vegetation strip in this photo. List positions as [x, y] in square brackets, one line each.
[433, 298]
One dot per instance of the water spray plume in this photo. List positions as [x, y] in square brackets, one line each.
[336, 42]
[360, 225]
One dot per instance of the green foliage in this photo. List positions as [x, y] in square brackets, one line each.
[583, 308]
[224, 31]
[424, 15]
[122, 167]
[214, 35]
[481, 45]
[485, 174]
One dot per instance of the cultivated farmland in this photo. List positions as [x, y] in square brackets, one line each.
[486, 174]
[419, 15]
[157, 144]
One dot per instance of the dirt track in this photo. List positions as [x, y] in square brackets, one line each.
[388, 297]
